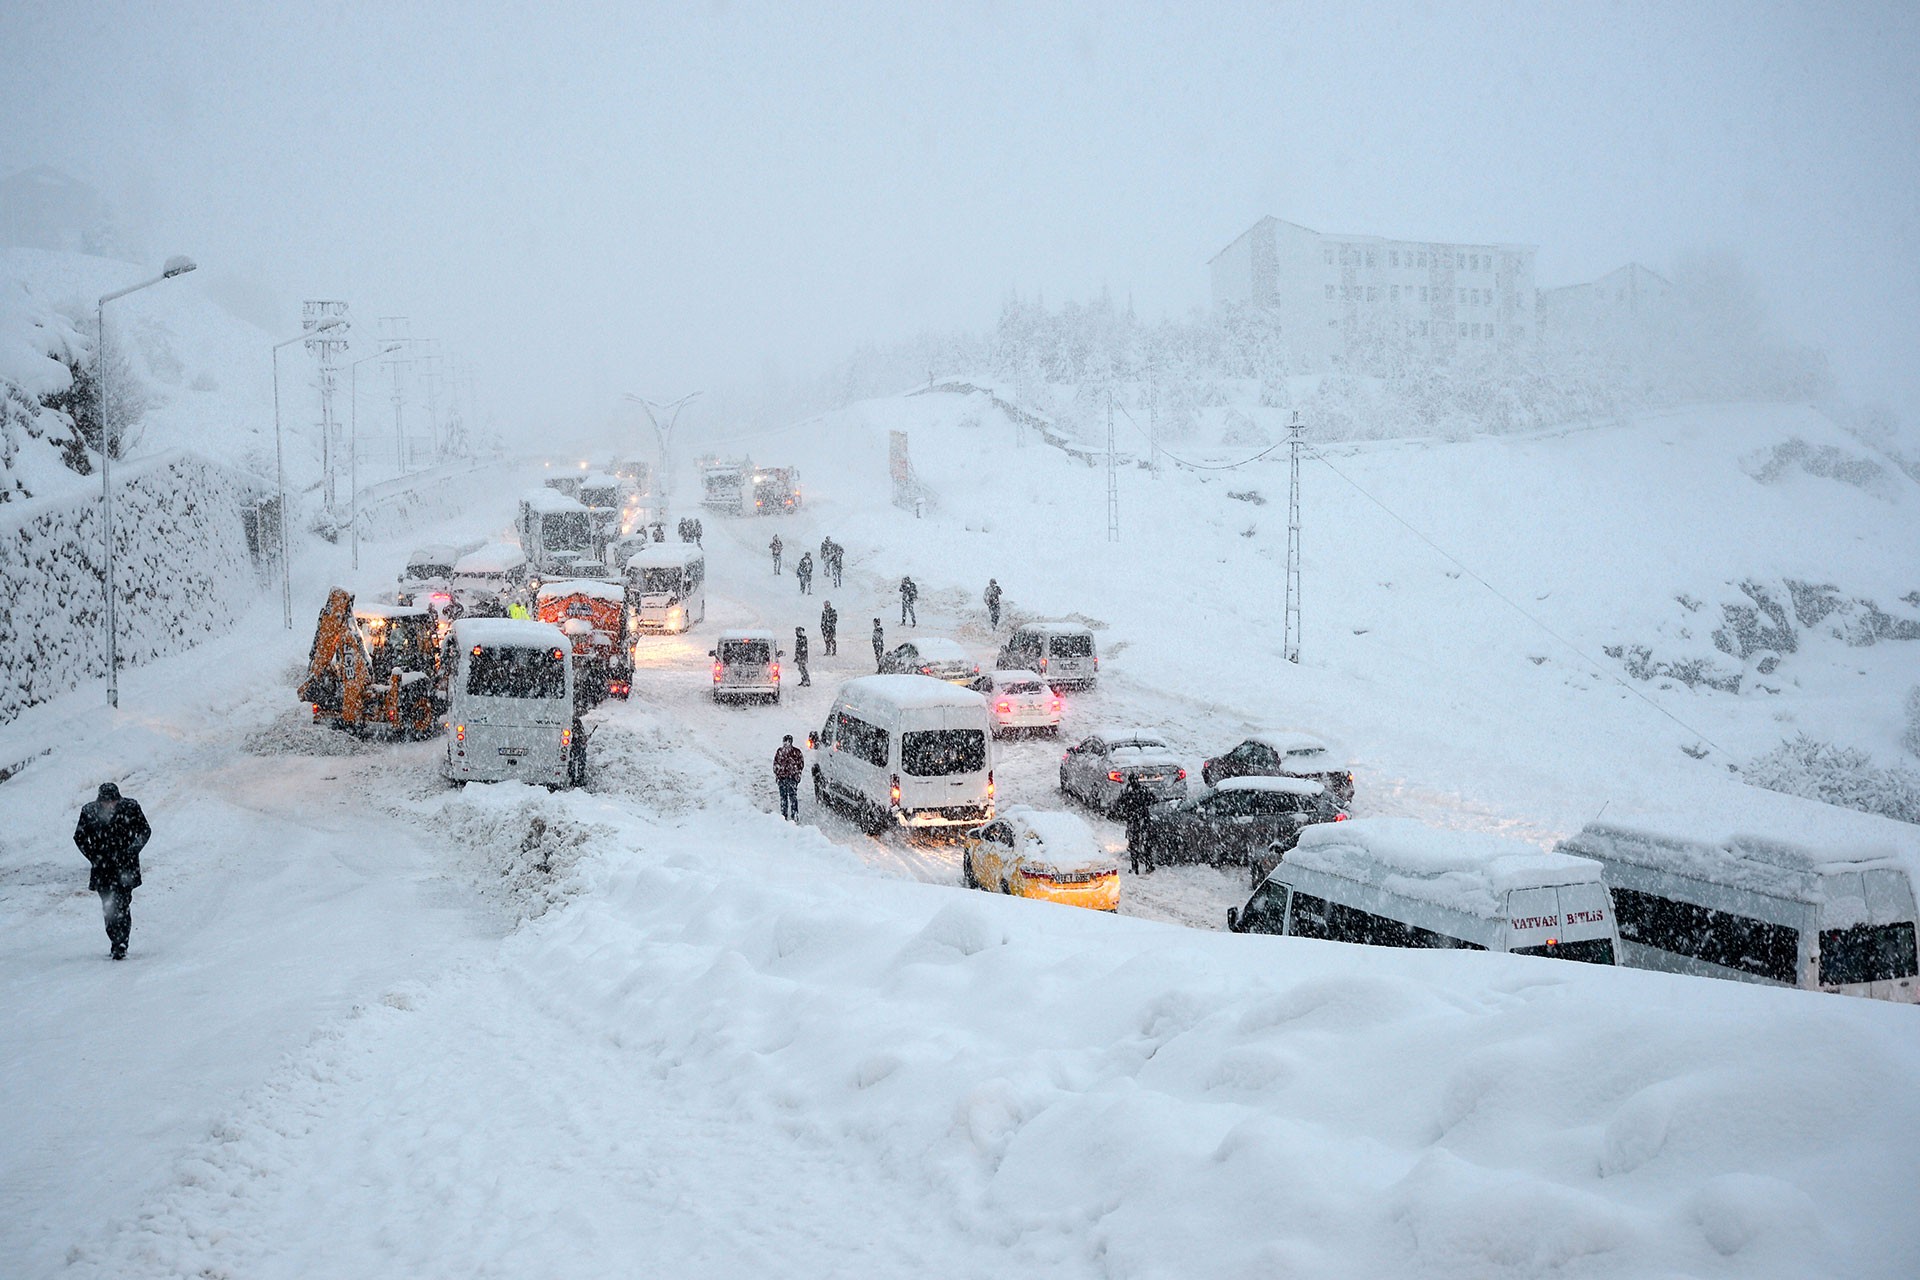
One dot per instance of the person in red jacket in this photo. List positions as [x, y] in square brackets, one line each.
[788, 765]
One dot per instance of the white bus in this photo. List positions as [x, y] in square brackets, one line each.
[509, 702]
[558, 534]
[910, 750]
[667, 587]
[1772, 889]
[1394, 882]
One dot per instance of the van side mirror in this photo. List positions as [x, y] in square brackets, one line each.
[712, 654]
[1233, 919]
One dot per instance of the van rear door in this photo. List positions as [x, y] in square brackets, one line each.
[1070, 657]
[1568, 922]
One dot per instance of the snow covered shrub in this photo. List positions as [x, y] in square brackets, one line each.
[1839, 776]
[1911, 738]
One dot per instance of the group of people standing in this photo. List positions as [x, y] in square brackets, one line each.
[690, 531]
[832, 563]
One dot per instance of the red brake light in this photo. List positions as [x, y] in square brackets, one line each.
[1056, 704]
[476, 651]
[459, 733]
[1113, 775]
[1043, 664]
[893, 790]
[718, 669]
[776, 671]
[926, 670]
[1339, 817]
[1003, 707]
[566, 737]
[1182, 775]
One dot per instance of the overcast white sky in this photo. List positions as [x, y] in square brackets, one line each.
[589, 199]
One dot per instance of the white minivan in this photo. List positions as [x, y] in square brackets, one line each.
[1063, 652]
[1394, 882]
[908, 750]
[746, 664]
[509, 702]
[1765, 888]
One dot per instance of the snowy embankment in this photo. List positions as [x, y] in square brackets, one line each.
[735, 1048]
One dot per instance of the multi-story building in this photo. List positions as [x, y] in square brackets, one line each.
[1360, 300]
[1625, 295]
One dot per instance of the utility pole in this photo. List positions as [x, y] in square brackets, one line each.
[1290, 639]
[314, 313]
[1113, 473]
[394, 335]
[1153, 415]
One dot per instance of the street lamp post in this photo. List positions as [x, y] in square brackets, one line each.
[178, 265]
[353, 439]
[280, 464]
[664, 433]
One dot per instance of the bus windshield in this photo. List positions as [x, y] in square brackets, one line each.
[660, 581]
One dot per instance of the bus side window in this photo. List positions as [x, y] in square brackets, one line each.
[1309, 917]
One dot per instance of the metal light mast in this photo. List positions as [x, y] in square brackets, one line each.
[1290, 640]
[1113, 475]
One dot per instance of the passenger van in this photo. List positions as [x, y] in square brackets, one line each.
[509, 702]
[667, 587]
[1063, 652]
[746, 664]
[908, 750]
[559, 535]
[1393, 882]
[497, 570]
[1820, 901]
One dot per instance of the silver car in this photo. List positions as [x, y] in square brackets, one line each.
[1097, 768]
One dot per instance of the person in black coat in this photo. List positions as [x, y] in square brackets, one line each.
[111, 832]
[829, 630]
[909, 593]
[800, 655]
[879, 644]
[1132, 807]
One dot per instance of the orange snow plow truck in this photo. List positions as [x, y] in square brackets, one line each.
[373, 668]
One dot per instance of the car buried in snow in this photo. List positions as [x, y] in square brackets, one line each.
[1284, 753]
[1049, 856]
[935, 656]
[1098, 768]
[1236, 822]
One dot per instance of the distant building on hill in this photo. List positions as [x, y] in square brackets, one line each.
[1622, 296]
[1346, 299]
[43, 208]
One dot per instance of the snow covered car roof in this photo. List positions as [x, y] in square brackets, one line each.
[743, 633]
[1468, 871]
[1287, 786]
[1114, 735]
[433, 553]
[665, 555]
[583, 587]
[1056, 841]
[1293, 742]
[549, 501]
[938, 648]
[1001, 677]
[1057, 628]
[507, 633]
[912, 691]
[495, 557]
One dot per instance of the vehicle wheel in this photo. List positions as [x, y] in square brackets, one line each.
[1063, 782]
[967, 877]
[819, 787]
[1006, 888]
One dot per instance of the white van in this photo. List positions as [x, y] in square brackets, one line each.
[509, 702]
[910, 750]
[1394, 882]
[1063, 652]
[746, 664]
[1821, 901]
[666, 587]
[497, 571]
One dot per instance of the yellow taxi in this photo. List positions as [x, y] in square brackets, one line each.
[1035, 853]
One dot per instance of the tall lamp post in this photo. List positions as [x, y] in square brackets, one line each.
[353, 439]
[672, 412]
[280, 463]
[178, 265]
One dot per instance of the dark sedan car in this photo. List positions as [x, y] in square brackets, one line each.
[1237, 821]
[1286, 754]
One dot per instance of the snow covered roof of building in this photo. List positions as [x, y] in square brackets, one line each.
[495, 557]
[549, 502]
[583, 587]
[507, 633]
[911, 691]
[1468, 871]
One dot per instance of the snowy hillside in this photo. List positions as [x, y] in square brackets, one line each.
[380, 1027]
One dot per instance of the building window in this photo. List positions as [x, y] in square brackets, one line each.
[1423, 260]
[1393, 293]
[1463, 330]
[1369, 258]
[1423, 293]
[1329, 293]
[1328, 251]
[1373, 293]
[1393, 257]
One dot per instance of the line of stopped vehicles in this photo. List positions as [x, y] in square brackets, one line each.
[504, 646]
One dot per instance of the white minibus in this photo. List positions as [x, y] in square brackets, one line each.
[509, 702]
[1394, 882]
[667, 587]
[1778, 890]
[908, 750]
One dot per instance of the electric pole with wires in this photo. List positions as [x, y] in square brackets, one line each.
[1113, 474]
[1290, 637]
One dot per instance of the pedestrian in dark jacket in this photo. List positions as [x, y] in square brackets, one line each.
[879, 644]
[698, 533]
[909, 593]
[838, 564]
[993, 603]
[774, 547]
[111, 832]
[788, 765]
[829, 630]
[800, 654]
[804, 572]
[1132, 808]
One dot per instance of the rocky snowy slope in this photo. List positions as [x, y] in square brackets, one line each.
[717, 1043]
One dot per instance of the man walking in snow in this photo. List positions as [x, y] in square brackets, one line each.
[111, 832]
[879, 644]
[993, 604]
[697, 532]
[800, 654]
[829, 631]
[788, 765]
[804, 572]
[1132, 807]
[839, 562]
[908, 594]
[774, 547]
